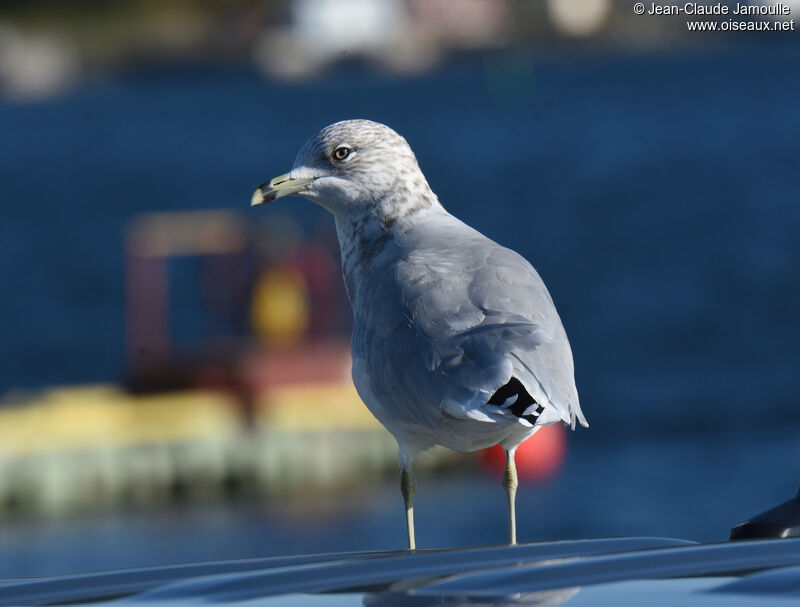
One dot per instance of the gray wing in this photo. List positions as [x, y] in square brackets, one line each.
[510, 289]
[457, 320]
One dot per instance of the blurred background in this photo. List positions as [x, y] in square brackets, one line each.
[174, 366]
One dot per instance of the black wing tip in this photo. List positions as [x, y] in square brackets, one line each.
[524, 400]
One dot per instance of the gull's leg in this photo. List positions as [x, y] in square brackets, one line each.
[408, 486]
[510, 484]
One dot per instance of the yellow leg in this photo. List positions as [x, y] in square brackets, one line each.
[408, 486]
[510, 484]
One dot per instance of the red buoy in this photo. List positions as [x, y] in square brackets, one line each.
[537, 459]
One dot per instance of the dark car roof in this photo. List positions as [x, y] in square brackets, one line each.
[625, 571]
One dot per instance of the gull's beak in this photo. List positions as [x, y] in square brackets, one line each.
[281, 186]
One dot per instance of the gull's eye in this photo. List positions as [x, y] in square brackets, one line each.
[341, 152]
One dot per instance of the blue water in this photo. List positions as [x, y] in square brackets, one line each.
[684, 488]
[658, 195]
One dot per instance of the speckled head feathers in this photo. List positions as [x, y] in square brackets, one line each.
[357, 165]
[372, 142]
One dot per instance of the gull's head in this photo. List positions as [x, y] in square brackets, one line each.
[349, 165]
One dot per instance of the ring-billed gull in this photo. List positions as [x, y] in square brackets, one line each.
[456, 341]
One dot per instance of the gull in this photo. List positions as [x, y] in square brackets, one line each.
[456, 340]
